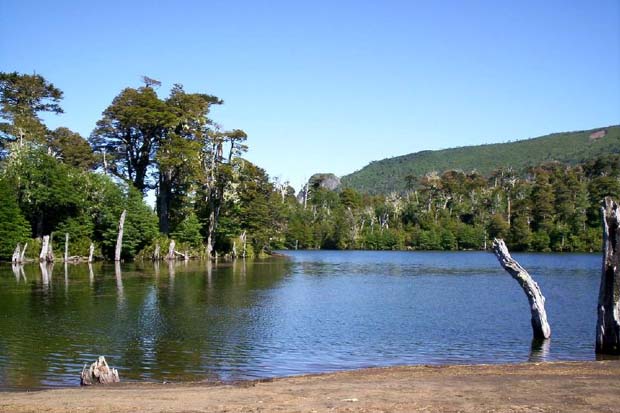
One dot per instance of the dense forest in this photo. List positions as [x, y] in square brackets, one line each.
[572, 148]
[212, 201]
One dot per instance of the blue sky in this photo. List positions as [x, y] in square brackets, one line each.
[328, 86]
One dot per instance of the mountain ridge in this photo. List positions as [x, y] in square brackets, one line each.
[389, 174]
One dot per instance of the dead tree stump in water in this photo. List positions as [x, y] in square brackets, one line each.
[46, 255]
[91, 252]
[66, 247]
[540, 326]
[98, 373]
[156, 253]
[608, 322]
[119, 238]
[15, 259]
[171, 256]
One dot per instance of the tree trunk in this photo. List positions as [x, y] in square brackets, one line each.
[66, 247]
[156, 253]
[213, 218]
[243, 239]
[119, 239]
[98, 373]
[46, 254]
[540, 326]
[22, 257]
[16, 254]
[91, 252]
[50, 252]
[171, 256]
[608, 323]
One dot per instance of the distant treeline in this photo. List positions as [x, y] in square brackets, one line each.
[210, 200]
[553, 207]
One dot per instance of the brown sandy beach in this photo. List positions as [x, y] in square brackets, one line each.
[530, 387]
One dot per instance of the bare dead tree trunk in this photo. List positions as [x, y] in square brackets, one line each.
[156, 253]
[91, 253]
[119, 239]
[243, 238]
[98, 373]
[66, 247]
[608, 322]
[46, 254]
[22, 257]
[540, 326]
[16, 254]
[171, 256]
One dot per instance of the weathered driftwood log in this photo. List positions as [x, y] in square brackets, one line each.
[98, 373]
[540, 326]
[185, 255]
[608, 323]
[119, 239]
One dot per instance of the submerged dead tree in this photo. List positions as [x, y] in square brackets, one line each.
[171, 256]
[608, 322]
[46, 255]
[540, 326]
[119, 239]
[16, 254]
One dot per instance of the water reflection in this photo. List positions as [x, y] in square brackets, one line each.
[91, 274]
[540, 350]
[120, 292]
[18, 271]
[47, 270]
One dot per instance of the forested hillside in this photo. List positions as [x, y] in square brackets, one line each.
[387, 175]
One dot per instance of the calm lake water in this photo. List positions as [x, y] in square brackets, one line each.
[315, 311]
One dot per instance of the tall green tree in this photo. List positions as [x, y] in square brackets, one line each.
[178, 159]
[71, 148]
[22, 99]
[130, 132]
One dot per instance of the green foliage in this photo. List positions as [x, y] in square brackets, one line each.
[14, 228]
[22, 98]
[80, 229]
[189, 231]
[140, 225]
[71, 148]
[48, 191]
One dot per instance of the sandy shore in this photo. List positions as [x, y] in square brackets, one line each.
[541, 387]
